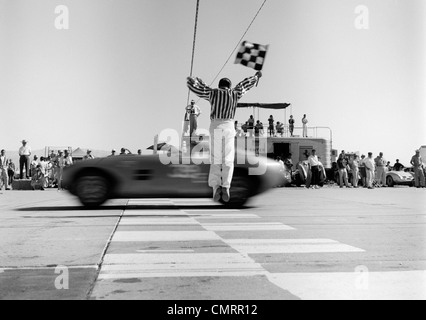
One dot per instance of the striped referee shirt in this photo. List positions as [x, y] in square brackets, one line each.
[223, 101]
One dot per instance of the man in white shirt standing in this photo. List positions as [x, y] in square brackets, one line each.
[4, 176]
[24, 160]
[314, 167]
[369, 167]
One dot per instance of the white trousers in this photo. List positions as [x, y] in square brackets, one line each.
[222, 153]
[370, 177]
[4, 178]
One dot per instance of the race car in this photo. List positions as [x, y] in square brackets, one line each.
[399, 178]
[146, 176]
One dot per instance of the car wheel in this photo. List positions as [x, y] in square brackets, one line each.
[92, 190]
[241, 190]
[389, 181]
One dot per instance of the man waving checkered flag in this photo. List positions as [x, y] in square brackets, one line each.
[252, 55]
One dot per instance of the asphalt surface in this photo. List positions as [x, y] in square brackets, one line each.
[289, 243]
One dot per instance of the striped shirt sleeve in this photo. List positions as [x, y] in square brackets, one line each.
[197, 86]
[245, 85]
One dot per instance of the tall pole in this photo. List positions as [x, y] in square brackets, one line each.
[192, 65]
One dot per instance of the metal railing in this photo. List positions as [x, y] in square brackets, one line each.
[312, 132]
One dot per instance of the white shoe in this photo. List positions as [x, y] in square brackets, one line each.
[217, 193]
[225, 194]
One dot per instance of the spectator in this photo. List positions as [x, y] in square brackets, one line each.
[244, 127]
[306, 154]
[250, 126]
[37, 179]
[88, 155]
[291, 125]
[280, 128]
[67, 158]
[11, 172]
[50, 173]
[288, 162]
[380, 163]
[124, 151]
[258, 129]
[52, 155]
[112, 153]
[34, 164]
[362, 171]
[322, 173]
[355, 171]
[305, 127]
[314, 168]
[343, 173]
[139, 152]
[282, 169]
[61, 164]
[271, 129]
[398, 166]
[44, 171]
[388, 167]
[239, 131]
[419, 176]
[192, 111]
[4, 175]
[369, 166]
[24, 160]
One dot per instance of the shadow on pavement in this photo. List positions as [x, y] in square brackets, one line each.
[129, 207]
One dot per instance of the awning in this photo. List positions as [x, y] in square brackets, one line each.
[264, 105]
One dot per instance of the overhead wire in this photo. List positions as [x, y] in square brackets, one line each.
[239, 42]
[193, 44]
[231, 54]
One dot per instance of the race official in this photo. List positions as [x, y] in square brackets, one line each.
[223, 101]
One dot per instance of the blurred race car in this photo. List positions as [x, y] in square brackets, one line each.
[399, 178]
[131, 176]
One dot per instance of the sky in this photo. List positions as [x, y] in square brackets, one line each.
[116, 76]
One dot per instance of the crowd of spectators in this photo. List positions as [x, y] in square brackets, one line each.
[255, 128]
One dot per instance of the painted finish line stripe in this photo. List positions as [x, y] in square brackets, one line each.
[154, 213]
[224, 216]
[176, 202]
[150, 236]
[246, 226]
[181, 274]
[127, 221]
[175, 258]
[258, 246]
[122, 266]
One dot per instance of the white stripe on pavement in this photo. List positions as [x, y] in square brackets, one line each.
[121, 266]
[388, 285]
[176, 258]
[149, 236]
[128, 221]
[253, 246]
[162, 213]
[246, 226]
[225, 216]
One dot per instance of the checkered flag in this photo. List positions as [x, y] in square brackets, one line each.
[252, 55]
